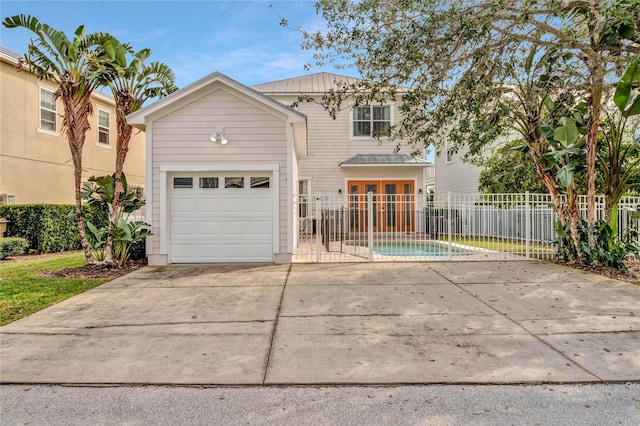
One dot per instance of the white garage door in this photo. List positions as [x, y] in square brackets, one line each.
[219, 217]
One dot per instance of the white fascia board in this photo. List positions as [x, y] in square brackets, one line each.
[218, 167]
[207, 85]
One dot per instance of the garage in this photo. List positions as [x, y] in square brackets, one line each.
[222, 174]
[221, 217]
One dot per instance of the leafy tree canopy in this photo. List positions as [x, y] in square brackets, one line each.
[453, 60]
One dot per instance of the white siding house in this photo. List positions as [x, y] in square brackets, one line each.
[454, 175]
[226, 165]
[221, 160]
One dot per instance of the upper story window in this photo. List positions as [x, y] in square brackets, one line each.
[371, 121]
[450, 153]
[103, 127]
[48, 111]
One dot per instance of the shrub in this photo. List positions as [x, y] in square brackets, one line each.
[609, 249]
[48, 228]
[12, 247]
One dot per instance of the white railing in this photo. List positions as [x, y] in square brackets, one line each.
[380, 227]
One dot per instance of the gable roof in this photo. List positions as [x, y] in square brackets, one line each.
[368, 160]
[167, 104]
[320, 82]
[214, 82]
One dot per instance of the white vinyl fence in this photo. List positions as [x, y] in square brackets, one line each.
[379, 227]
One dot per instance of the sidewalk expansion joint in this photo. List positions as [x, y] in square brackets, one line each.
[275, 326]
[433, 314]
[89, 327]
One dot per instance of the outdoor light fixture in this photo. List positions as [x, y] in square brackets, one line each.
[218, 136]
[339, 190]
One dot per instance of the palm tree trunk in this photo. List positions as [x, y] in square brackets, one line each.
[123, 130]
[75, 124]
[592, 145]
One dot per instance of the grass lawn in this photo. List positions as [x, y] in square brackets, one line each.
[501, 246]
[23, 291]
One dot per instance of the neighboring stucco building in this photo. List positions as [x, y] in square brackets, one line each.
[35, 161]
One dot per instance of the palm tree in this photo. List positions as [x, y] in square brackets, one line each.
[77, 68]
[134, 83]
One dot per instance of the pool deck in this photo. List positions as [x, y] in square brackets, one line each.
[340, 251]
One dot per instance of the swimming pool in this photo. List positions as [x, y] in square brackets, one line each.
[394, 248]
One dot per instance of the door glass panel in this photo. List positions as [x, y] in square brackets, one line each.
[260, 182]
[182, 182]
[208, 182]
[234, 182]
[354, 205]
[390, 195]
[372, 188]
[407, 204]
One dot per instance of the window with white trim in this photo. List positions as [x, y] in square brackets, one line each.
[450, 152]
[48, 110]
[103, 127]
[371, 121]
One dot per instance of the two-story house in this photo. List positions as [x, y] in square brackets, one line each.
[35, 161]
[453, 174]
[228, 162]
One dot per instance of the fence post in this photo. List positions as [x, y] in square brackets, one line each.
[527, 226]
[449, 220]
[318, 229]
[370, 224]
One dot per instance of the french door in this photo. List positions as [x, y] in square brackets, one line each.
[393, 205]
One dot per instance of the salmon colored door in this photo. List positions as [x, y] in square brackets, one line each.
[393, 205]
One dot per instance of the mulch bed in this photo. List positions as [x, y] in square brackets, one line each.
[97, 271]
[632, 274]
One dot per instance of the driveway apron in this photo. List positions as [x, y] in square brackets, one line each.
[382, 323]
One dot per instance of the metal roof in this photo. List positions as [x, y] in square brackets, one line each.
[364, 160]
[313, 83]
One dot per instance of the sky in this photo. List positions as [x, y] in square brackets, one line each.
[241, 39]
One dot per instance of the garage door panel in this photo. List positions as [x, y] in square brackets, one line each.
[184, 205]
[234, 206]
[210, 228]
[235, 227]
[262, 228]
[209, 206]
[259, 250]
[184, 228]
[261, 205]
[182, 252]
[210, 251]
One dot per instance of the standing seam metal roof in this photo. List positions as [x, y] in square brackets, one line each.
[313, 83]
[384, 159]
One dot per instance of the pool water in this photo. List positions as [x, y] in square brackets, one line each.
[407, 249]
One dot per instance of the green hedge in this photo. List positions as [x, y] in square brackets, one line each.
[48, 228]
[12, 247]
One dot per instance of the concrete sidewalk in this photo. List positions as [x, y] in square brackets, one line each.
[386, 323]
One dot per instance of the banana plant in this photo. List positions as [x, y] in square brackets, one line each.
[125, 235]
[617, 171]
[99, 192]
[566, 159]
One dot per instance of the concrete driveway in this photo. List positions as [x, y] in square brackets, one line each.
[386, 323]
